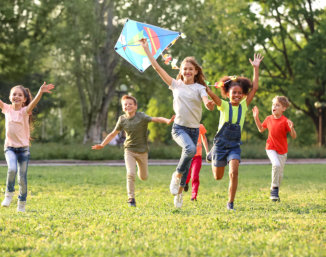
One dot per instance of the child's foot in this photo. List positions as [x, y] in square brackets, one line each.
[178, 201]
[132, 202]
[8, 198]
[229, 206]
[193, 199]
[274, 194]
[21, 206]
[186, 188]
[175, 184]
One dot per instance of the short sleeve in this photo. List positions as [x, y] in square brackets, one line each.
[118, 126]
[202, 91]
[202, 129]
[224, 105]
[173, 85]
[146, 117]
[288, 129]
[5, 108]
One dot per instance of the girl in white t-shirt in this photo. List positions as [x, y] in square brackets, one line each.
[188, 94]
[16, 148]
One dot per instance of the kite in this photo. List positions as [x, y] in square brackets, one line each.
[129, 47]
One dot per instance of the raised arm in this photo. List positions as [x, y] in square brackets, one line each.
[255, 112]
[45, 88]
[107, 140]
[163, 120]
[255, 63]
[214, 97]
[293, 133]
[163, 74]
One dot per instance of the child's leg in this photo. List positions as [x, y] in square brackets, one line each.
[187, 139]
[130, 162]
[276, 167]
[142, 164]
[196, 166]
[282, 159]
[218, 172]
[22, 158]
[11, 160]
[233, 174]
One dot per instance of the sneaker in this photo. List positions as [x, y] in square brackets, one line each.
[229, 206]
[132, 202]
[178, 201]
[8, 198]
[21, 206]
[274, 194]
[186, 188]
[209, 157]
[193, 199]
[175, 184]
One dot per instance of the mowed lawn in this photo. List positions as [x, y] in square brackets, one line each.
[83, 211]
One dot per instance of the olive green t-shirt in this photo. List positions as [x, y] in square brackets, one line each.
[136, 131]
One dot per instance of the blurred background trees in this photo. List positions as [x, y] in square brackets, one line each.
[70, 44]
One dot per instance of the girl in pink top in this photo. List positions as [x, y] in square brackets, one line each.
[16, 148]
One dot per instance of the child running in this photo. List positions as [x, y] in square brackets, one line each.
[196, 163]
[226, 149]
[188, 93]
[276, 145]
[135, 125]
[18, 116]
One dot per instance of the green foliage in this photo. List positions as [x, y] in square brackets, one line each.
[82, 211]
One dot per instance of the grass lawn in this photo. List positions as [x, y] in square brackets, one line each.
[82, 211]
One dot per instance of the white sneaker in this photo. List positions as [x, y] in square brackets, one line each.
[21, 206]
[178, 201]
[175, 184]
[8, 198]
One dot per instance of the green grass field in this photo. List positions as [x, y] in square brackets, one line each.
[82, 211]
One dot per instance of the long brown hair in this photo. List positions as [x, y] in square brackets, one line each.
[200, 77]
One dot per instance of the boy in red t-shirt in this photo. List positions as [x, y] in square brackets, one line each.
[196, 163]
[276, 145]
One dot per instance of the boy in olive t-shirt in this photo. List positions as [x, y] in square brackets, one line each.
[135, 125]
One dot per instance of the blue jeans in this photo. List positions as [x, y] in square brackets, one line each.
[186, 138]
[17, 160]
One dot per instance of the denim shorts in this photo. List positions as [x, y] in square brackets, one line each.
[222, 155]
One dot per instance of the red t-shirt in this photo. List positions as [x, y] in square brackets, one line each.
[202, 131]
[277, 131]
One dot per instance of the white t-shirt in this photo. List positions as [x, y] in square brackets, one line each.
[187, 103]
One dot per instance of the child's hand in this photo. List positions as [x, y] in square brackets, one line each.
[257, 59]
[255, 111]
[171, 120]
[46, 88]
[291, 125]
[144, 43]
[97, 147]
[210, 105]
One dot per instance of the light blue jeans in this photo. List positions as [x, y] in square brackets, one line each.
[17, 160]
[186, 138]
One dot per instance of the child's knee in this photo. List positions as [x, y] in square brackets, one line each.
[191, 150]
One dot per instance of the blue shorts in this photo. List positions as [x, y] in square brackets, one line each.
[221, 155]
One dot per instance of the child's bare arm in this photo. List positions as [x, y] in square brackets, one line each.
[107, 140]
[45, 88]
[163, 120]
[205, 143]
[163, 74]
[214, 97]
[255, 112]
[293, 133]
[255, 63]
[1, 104]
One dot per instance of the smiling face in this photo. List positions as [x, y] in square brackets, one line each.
[277, 108]
[188, 71]
[235, 94]
[17, 97]
[129, 106]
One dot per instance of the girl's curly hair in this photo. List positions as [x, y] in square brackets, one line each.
[230, 81]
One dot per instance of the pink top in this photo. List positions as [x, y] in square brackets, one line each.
[17, 126]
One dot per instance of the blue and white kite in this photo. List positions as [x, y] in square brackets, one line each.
[129, 48]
